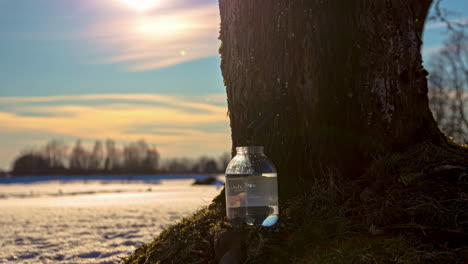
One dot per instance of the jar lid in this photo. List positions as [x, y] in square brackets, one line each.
[249, 149]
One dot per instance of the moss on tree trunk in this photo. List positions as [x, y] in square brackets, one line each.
[418, 218]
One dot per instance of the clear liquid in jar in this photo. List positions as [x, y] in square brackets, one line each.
[252, 199]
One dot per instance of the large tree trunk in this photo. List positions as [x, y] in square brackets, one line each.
[325, 86]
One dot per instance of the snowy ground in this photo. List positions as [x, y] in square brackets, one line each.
[93, 221]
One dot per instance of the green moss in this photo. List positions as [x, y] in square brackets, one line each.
[424, 185]
[370, 250]
[189, 241]
[406, 210]
[316, 228]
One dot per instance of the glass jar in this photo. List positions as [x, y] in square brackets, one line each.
[251, 188]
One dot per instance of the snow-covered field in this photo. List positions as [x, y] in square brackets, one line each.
[93, 221]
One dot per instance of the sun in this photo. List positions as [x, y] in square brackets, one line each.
[141, 4]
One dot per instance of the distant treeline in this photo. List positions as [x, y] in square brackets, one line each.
[56, 158]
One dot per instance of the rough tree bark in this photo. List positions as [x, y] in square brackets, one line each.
[325, 85]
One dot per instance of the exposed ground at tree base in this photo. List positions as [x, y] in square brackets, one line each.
[420, 216]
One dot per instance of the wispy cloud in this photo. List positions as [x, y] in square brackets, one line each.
[178, 101]
[153, 40]
[177, 126]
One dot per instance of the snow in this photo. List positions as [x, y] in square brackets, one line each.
[92, 221]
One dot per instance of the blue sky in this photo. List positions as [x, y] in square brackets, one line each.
[122, 69]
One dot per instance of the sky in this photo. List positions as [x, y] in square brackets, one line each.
[122, 69]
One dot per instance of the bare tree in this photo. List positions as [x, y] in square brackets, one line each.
[96, 158]
[179, 165]
[55, 152]
[223, 161]
[112, 161]
[150, 163]
[79, 158]
[139, 157]
[133, 155]
[448, 86]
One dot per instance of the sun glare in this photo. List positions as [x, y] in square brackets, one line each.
[162, 26]
[141, 4]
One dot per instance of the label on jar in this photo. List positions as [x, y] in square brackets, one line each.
[236, 190]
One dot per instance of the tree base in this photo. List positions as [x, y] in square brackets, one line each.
[418, 217]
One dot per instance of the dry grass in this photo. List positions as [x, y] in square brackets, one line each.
[411, 208]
